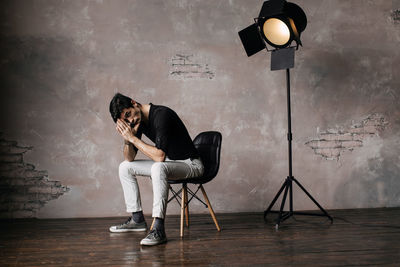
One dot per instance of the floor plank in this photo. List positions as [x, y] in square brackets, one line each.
[368, 237]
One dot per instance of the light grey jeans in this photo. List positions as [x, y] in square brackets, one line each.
[160, 173]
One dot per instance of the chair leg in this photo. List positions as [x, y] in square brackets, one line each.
[186, 207]
[152, 224]
[184, 194]
[210, 208]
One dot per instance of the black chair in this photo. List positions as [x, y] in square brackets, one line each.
[209, 146]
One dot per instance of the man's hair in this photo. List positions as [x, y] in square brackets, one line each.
[118, 104]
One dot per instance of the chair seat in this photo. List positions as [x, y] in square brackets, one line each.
[194, 180]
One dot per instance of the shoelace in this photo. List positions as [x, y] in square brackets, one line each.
[127, 221]
[155, 234]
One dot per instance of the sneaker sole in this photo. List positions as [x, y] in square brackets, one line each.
[127, 230]
[146, 243]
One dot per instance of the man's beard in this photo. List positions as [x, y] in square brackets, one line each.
[133, 124]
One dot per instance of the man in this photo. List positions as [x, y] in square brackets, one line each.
[173, 156]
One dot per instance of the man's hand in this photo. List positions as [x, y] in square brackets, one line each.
[126, 131]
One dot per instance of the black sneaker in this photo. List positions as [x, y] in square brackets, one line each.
[129, 226]
[155, 237]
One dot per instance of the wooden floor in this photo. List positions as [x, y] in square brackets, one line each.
[372, 238]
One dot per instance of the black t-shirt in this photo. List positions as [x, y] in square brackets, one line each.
[168, 133]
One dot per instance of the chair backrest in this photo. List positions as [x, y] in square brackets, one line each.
[208, 144]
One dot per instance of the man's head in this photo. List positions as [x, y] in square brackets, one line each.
[124, 108]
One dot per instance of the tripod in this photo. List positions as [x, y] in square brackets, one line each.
[288, 184]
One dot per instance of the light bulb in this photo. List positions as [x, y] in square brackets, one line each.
[276, 31]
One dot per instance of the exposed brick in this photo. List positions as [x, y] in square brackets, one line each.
[29, 166]
[32, 205]
[7, 181]
[184, 67]
[360, 137]
[326, 136]
[23, 214]
[57, 190]
[34, 173]
[333, 142]
[28, 197]
[11, 158]
[21, 171]
[347, 144]
[328, 153]
[395, 15]
[40, 189]
[10, 166]
[372, 122]
[23, 190]
[56, 183]
[335, 136]
[6, 190]
[10, 206]
[6, 214]
[17, 197]
[371, 129]
[7, 143]
[14, 149]
[44, 197]
[358, 130]
[325, 144]
[18, 181]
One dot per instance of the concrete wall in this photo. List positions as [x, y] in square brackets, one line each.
[62, 61]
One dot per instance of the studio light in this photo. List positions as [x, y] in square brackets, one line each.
[278, 25]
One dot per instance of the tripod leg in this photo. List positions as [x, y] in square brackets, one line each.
[274, 200]
[278, 221]
[291, 197]
[315, 202]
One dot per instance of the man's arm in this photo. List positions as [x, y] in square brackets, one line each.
[129, 133]
[151, 151]
[129, 151]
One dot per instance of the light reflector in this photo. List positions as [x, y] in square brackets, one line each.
[276, 31]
